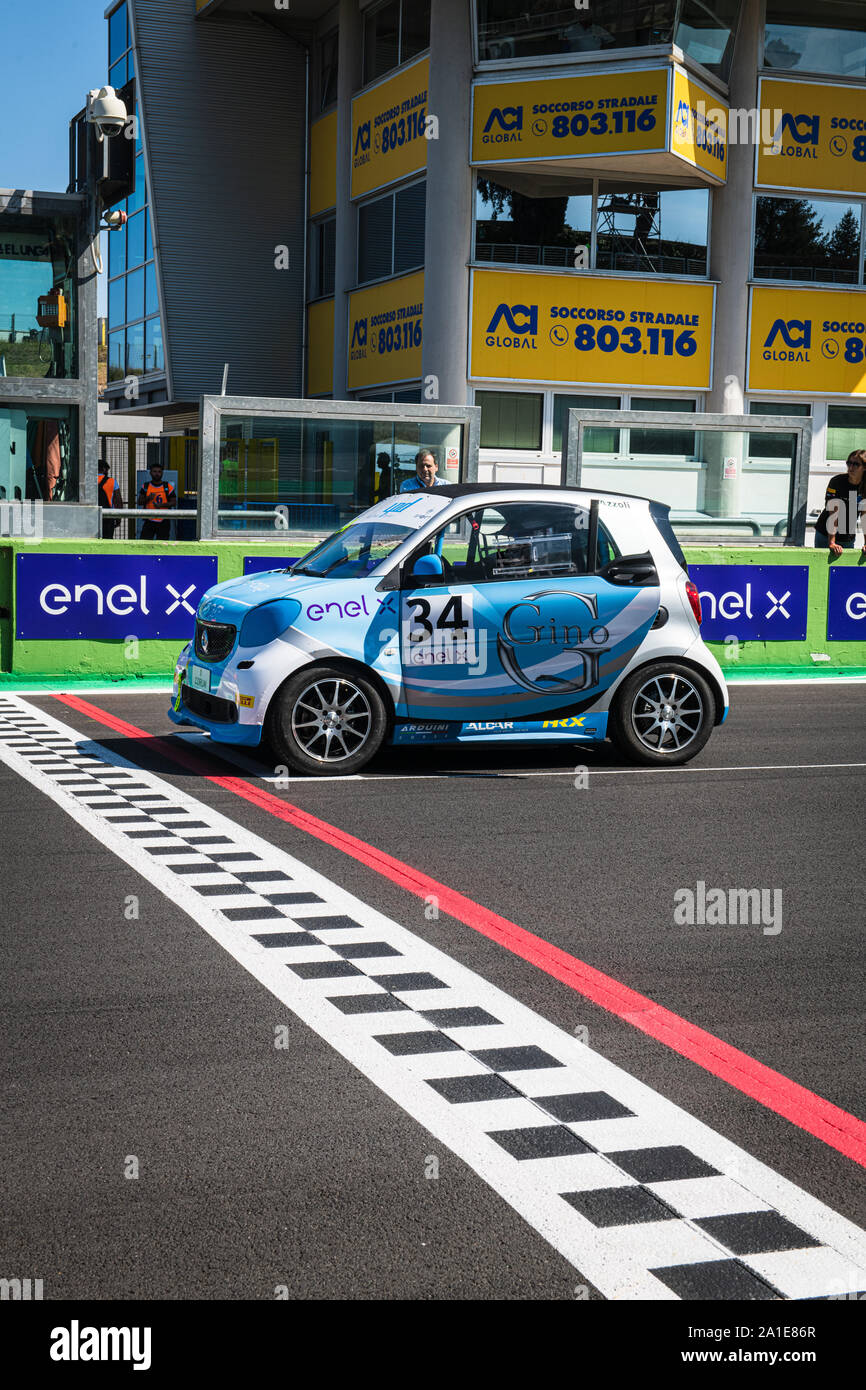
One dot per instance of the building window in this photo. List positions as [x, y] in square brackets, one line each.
[38, 297]
[808, 240]
[644, 233]
[846, 431]
[510, 419]
[774, 446]
[394, 33]
[801, 36]
[597, 439]
[324, 254]
[328, 50]
[669, 443]
[391, 233]
[38, 452]
[118, 33]
[703, 29]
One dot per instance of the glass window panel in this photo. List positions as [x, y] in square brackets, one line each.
[117, 74]
[678, 442]
[116, 250]
[37, 261]
[597, 439]
[135, 295]
[151, 294]
[415, 35]
[135, 350]
[523, 540]
[148, 242]
[510, 419]
[116, 356]
[135, 239]
[117, 301]
[323, 471]
[807, 239]
[530, 28]
[409, 211]
[325, 255]
[846, 431]
[408, 397]
[706, 30]
[375, 239]
[43, 464]
[779, 408]
[138, 197]
[154, 358]
[513, 229]
[328, 49]
[717, 492]
[118, 33]
[653, 233]
[801, 36]
[381, 40]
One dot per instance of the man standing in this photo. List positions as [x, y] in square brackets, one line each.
[109, 496]
[156, 495]
[836, 527]
[425, 473]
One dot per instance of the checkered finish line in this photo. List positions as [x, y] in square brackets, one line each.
[644, 1200]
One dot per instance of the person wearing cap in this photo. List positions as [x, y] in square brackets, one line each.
[425, 473]
[156, 495]
[836, 527]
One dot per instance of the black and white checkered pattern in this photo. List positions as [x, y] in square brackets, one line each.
[628, 1172]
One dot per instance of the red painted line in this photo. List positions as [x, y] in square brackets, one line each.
[770, 1088]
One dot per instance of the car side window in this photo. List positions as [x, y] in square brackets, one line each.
[520, 540]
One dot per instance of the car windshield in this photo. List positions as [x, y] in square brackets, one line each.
[371, 538]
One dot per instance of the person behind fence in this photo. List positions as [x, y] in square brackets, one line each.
[425, 473]
[836, 527]
[156, 495]
[109, 496]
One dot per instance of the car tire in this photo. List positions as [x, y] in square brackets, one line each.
[327, 721]
[663, 714]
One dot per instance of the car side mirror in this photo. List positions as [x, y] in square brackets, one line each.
[630, 570]
[427, 565]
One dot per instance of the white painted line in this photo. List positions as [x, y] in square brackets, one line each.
[646, 1146]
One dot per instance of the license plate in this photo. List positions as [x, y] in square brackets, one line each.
[199, 678]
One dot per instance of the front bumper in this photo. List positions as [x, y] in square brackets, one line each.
[246, 735]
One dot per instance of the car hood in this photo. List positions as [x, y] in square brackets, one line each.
[227, 601]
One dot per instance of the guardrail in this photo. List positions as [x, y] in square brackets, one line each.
[718, 522]
[167, 513]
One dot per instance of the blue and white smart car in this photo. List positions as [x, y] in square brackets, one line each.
[457, 614]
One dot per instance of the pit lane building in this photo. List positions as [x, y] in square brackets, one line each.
[527, 205]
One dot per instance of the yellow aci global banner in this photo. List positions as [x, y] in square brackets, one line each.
[323, 163]
[385, 328]
[596, 116]
[564, 329]
[817, 137]
[388, 123]
[700, 126]
[808, 341]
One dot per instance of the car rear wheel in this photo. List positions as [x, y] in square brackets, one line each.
[327, 721]
[663, 714]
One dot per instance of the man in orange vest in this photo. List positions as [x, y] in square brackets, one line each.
[156, 495]
[109, 496]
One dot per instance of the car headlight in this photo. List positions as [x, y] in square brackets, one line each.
[263, 624]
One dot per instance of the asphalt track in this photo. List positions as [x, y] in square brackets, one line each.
[261, 1166]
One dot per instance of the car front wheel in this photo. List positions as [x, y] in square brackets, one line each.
[663, 714]
[327, 722]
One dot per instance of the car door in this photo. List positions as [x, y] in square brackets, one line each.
[522, 626]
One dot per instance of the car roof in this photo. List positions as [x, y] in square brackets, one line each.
[474, 489]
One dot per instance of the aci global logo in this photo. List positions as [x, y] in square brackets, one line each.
[503, 125]
[362, 144]
[359, 334]
[804, 130]
[796, 340]
[521, 326]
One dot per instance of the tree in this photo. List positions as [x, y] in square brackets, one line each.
[789, 233]
[843, 244]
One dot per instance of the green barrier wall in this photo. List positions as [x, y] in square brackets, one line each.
[111, 660]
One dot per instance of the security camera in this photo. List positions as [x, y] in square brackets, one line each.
[106, 111]
[114, 220]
